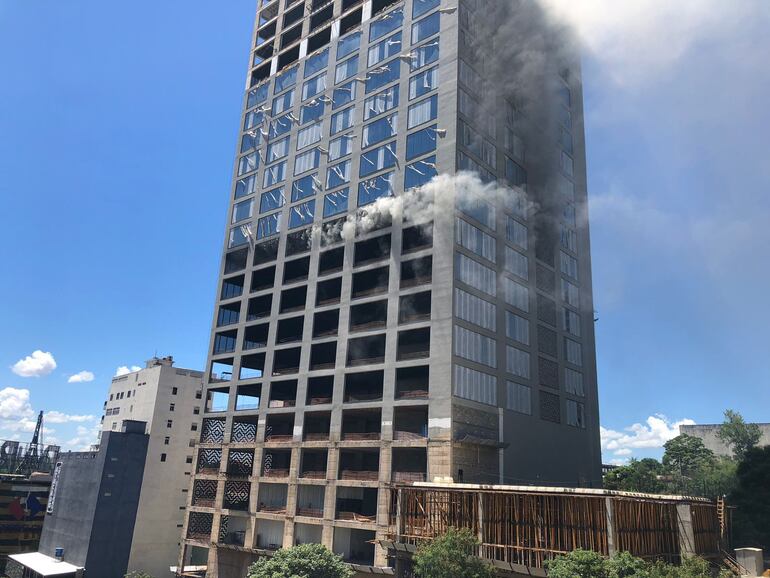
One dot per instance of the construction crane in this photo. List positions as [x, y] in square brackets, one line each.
[31, 457]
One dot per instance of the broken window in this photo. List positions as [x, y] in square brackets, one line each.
[288, 38]
[293, 15]
[290, 330]
[331, 260]
[286, 361]
[364, 387]
[252, 366]
[326, 323]
[319, 40]
[413, 344]
[370, 282]
[368, 316]
[259, 307]
[317, 426]
[412, 382]
[417, 272]
[323, 355]
[283, 393]
[328, 292]
[414, 307]
[266, 252]
[417, 238]
[313, 464]
[322, 17]
[366, 350]
[293, 299]
[348, 23]
[298, 242]
[372, 250]
[255, 336]
[248, 397]
[320, 390]
[296, 270]
[236, 260]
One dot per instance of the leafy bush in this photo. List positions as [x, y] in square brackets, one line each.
[305, 561]
[452, 555]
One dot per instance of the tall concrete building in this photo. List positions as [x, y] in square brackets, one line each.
[169, 399]
[373, 325]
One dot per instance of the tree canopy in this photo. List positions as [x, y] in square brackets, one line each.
[738, 435]
[452, 555]
[305, 561]
[687, 454]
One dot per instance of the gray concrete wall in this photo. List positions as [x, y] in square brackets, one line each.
[708, 434]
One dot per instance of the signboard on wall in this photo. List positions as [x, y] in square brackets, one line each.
[54, 486]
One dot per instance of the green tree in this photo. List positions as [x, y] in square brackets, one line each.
[452, 555]
[636, 476]
[738, 435]
[624, 565]
[752, 500]
[305, 561]
[578, 564]
[586, 564]
[685, 455]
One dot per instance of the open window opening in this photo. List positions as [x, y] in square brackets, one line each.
[272, 498]
[360, 464]
[287, 39]
[232, 287]
[259, 307]
[255, 336]
[412, 382]
[323, 355]
[413, 344]
[317, 426]
[371, 250]
[410, 465]
[296, 270]
[236, 260]
[293, 15]
[269, 534]
[263, 279]
[240, 463]
[356, 504]
[232, 530]
[248, 397]
[264, 52]
[217, 399]
[360, 425]
[290, 330]
[323, 38]
[417, 238]
[266, 32]
[276, 463]
[298, 242]
[279, 428]
[410, 423]
[322, 17]
[293, 299]
[379, 6]
[266, 252]
[355, 546]
[326, 323]
[221, 370]
[268, 13]
[364, 387]
[283, 393]
[328, 292]
[414, 307]
[286, 361]
[371, 282]
[260, 74]
[252, 366]
[310, 503]
[417, 272]
[313, 464]
[366, 350]
[236, 496]
[320, 390]
[331, 261]
[352, 20]
[244, 430]
[368, 316]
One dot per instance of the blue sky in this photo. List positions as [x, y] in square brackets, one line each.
[118, 126]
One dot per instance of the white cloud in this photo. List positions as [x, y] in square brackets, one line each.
[59, 417]
[14, 404]
[84, 438]
[125, 370]
[81, 377]
[36, 365]
[652, 435]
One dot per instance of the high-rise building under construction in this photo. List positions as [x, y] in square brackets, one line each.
[405, 289]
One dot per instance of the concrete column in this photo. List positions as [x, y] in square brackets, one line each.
[611, 538]
[686, 534]
[288, 533]
[751, 559]
[212, 563]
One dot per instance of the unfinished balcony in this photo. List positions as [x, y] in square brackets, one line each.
[412, 382]
[414, 308]
[413, 344]
[255, 336]
[409, 465]
[252, 366]
[244, 430]
[355, 546]
[371, 251]
[293, 299]
[328, 292]
[259, 307]
[269, 534]
[313, 464]
[410, 424]
[221, 370]
[283, 394]
[276, 463]
[323, 355]
[290, 330]
[368, 316]
[310, 502]
[416, 272]
[248, 397]
[364, 387]
[370, 282]
[360, 464]
[236, 496]
[263, 279]
[361, 425]
[296, 270]
[417, 238]
[272, 498]
[240, 463]
[232, 531]
[279, 428]
[331, 261]
[317, 426]
[356, 505]
[204, 493]
[366, 350]
[286, 361]
[217, 399]
[209, 462]
[326, 324]
[320, 390]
